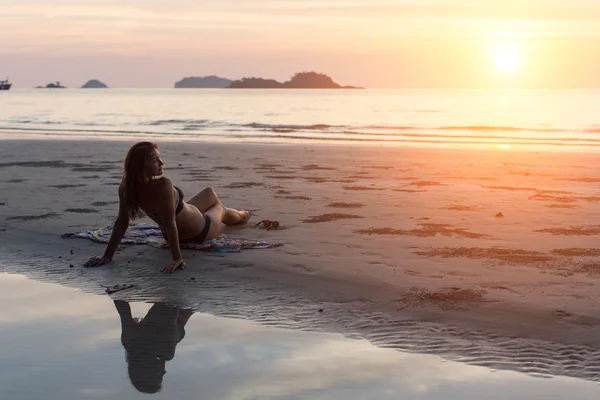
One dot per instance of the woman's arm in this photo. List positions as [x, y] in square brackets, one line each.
[119, 229]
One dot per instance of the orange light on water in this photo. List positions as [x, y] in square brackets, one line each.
[503, 146]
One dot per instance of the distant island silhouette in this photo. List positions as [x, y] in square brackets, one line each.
[301, 80]
[205, 82]
[94, 84]
[52, 85]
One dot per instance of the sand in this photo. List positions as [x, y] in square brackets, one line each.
[487, 257]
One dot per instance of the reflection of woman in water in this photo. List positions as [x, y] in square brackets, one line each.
[149, 343]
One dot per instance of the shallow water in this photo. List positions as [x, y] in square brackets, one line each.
[527, 119]
[62, 344]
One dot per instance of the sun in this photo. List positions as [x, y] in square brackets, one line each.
[507, 57]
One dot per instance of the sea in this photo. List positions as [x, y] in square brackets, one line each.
[519, 119]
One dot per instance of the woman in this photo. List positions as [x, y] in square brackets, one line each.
[143, 190]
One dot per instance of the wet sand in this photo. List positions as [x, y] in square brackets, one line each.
[61, 344]
[486, 257]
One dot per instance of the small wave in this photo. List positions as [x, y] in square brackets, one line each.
[193, 133]
[392, 127]
[178, 121]
[495, 128]
[474, 128]
[33, 121]
[291, 128]
[193, 127]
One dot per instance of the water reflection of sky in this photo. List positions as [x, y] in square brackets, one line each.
[60, 344]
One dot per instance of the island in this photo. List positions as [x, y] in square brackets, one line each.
[205, 82]
[301, 80]
[55, 85]
[94, 84]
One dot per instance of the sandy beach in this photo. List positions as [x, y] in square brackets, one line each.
[484, 256]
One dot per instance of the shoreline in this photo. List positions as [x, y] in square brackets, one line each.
[377, 238]
[592, 150]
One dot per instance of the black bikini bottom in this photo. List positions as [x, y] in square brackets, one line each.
[201, 237]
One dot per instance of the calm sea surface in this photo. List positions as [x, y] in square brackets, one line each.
[543, 119]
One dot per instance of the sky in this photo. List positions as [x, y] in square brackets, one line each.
[370, 43]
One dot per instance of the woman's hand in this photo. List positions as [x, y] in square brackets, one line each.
[174, 266]
[97, 261]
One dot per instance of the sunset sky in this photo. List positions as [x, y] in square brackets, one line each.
[372, 43]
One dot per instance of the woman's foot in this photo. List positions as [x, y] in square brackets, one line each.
[245, 218]
[233, 217]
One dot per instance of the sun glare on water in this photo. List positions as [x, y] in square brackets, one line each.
[507, 57]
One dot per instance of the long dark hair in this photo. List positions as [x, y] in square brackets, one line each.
[133, 176]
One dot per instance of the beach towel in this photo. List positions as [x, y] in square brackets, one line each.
[151, 235]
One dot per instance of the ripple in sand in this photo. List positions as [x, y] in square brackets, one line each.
[409, 190]
[16, 180]
[460, 208]
[386, 167]
[426, 230]
[39, 164]
[93, 168]
[511, 188]
[81, 210]
[345, 205]
[361, 188]
[590, 198]
[241, 185]
[512, 256]
[446, 299]
[316, 179]
[293, 197]
[555, 192]
[282, 176]
[545, 262]
[547, 197]
[427, 183]
[226, 168]
[561, 206]
[103, 203]
[267, 166]
[577, 252]
[32, 217]
[586, 180]
[573, 230]
[330, 217]
[314, 167]
[67, 186]
[362, 176]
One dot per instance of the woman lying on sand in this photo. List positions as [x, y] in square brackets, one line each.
[143, 190]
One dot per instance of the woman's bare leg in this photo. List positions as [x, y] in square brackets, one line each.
[208, 199]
